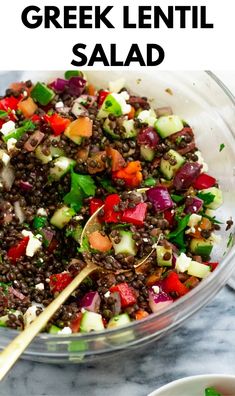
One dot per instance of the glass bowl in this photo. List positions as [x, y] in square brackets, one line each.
[203, 100]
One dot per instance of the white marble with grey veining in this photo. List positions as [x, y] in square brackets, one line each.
[205, 344]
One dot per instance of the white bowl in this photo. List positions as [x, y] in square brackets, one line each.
[195, 386]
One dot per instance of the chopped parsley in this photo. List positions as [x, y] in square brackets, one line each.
[206, 197]
[82, 186]
[177, 236]
[3, 114]
[221, 147]
[176, 198]
[85, 246]
[212, 219]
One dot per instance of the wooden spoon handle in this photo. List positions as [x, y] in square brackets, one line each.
[13, 351]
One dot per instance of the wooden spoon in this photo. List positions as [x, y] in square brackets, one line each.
[14, 350]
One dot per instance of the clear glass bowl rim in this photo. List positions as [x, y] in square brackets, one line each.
[172, 308]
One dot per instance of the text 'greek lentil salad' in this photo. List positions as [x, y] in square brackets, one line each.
[68, 150]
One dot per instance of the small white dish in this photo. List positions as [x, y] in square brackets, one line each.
[196, 385]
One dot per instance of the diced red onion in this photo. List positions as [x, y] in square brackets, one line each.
[186, 175]
[59, 84]
[117, 307]
[164, 111]
[193, 205]
[48, 235]
[76, 86]
[19, 212]
[7, 175]
[24, 185]
[159, 300]
[91, 301]
[16, 293]
[34, 140]
[148, 137]
[160, 198]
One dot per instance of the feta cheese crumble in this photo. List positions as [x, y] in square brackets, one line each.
[41, 212]
[5, 159]
[148, 116]
[194, 219]
[201, 161]
[156, 289]
[182, 263]
[34, 243]
[107, 294]
[8, 127]
[11, 144]
[65, 330]
[121, 99]
[39, 286]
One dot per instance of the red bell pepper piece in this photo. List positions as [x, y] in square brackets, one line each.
[75, 323]
[204, 181]
[35, 118]
[95, 204]
[126, 294]
[18, 251]
[212, 265]
[57, 123]
[10, 103]
[110, 215]
[136, 215]
[169, 215]
[172, 284]
[102, 97]
[58, 282]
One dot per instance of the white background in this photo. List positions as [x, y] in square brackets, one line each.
[46, 49]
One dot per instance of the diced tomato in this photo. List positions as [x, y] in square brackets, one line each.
[57, 123]
[110, 214]
[10, 103]
[169, 215]
[17, 251]
[91, 89]
[95, 204]
[102, 97]
[141, 314]
[131, 174]
[131, 113]
[127, 294]
[204, 181]
[172, 284]
[58, 282]
[75, 323]
[117, 160]
[27, 107]
[205, 224]
[135, 215]
[99, 242]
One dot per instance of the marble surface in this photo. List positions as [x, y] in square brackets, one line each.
[203, 345]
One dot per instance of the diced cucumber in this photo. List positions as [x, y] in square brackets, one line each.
[119, 320]
[218, 197]
[107, 127]
[91, 321]
[62, 216]
[42, 94]
[56, 151]
[148, 117]
[201, 247]
[110, 106]
[42, 157]
[168, 125]
[147, 153]
[126, 245]
[161, 252]
[61, 166]
[199, 270]
[53, 329]
[169, 170]
[130, 130]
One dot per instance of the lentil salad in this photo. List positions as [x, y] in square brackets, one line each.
[68, 149]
